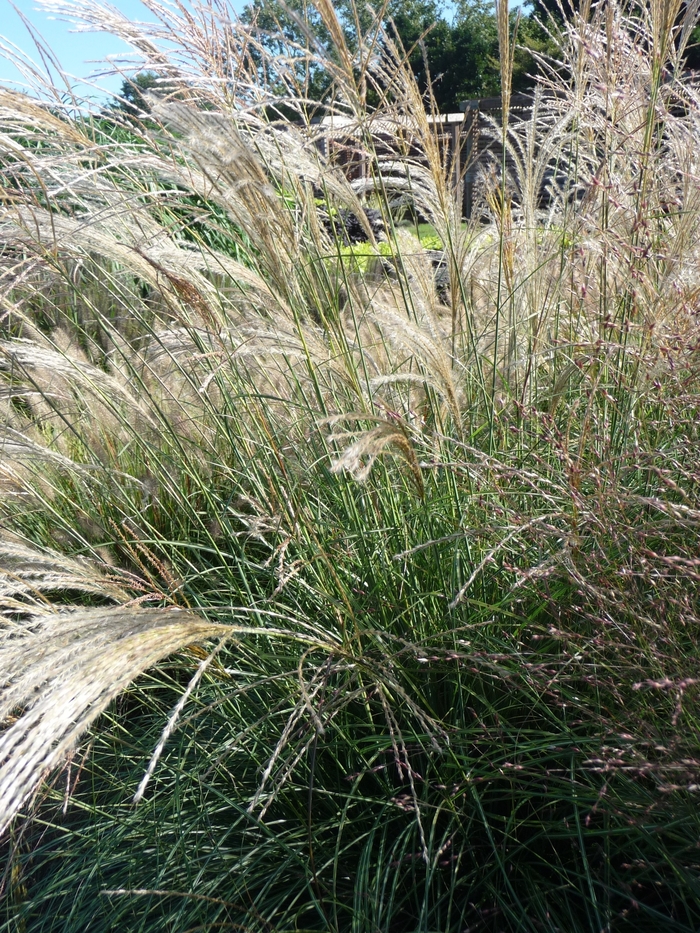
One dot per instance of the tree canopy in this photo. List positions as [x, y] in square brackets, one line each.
[454, 56]
[453, 53]
[457, 54]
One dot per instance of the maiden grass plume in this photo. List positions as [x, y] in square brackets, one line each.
[344, 588]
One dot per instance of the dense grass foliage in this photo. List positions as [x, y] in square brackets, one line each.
[351, 587]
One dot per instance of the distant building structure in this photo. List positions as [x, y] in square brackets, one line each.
[468, 136]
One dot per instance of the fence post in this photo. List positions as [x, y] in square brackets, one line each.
[470, 130]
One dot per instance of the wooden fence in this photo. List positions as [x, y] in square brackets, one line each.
[479, 145]
[468, 137]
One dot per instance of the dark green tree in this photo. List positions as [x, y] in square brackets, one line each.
[461, 57]
[692, 54]
[131, 99]
[450, 57]
[294, 30]
[458, 57]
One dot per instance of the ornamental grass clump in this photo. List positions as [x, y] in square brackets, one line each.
[337, 595]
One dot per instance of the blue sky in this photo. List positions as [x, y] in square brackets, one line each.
[78, 53]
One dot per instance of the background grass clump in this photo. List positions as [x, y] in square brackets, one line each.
[340, 594]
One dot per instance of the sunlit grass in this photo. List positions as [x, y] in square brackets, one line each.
[373, 578]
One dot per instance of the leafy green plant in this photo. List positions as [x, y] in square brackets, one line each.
[431, 242]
